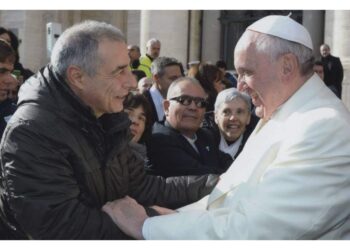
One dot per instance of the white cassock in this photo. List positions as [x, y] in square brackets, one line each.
[291, 181]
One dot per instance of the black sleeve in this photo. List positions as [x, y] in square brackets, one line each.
[338, 75]
[42, 193]
[167, 158]
[171, 192]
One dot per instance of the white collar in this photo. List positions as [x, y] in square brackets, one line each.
[230, 149]
[158, 102]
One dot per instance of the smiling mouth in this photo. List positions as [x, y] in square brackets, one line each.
[232, 127]
[190, 117]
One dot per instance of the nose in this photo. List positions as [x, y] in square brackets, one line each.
[133, 120]
[192, 105]
[232, 117]
[130, 81]
[241, 85]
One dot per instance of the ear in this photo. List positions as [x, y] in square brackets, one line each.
[289, 66]
[155, 78]
[166, 104]
[75, 77]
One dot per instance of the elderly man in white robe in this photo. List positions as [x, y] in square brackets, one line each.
[292, 179]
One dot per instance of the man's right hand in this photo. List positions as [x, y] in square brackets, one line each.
[128, 215]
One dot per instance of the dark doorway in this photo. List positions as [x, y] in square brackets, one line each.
[234, 23]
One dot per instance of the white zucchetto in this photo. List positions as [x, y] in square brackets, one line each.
[283, 27]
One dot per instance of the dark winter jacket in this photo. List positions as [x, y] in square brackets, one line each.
[60, 165]
[170, 153]
[7, 108]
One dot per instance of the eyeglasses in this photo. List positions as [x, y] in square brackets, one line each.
[186, 100]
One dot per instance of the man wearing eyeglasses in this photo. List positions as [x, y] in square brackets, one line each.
[180, 146]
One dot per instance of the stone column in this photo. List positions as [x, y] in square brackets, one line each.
[170, 27]
[211, 36]
[313, 20]
[337, 35]
[133, 29]
[195, 35]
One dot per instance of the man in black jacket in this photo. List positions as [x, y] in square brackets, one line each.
[333, 70]
[65, 153]
[180, 146]
[165, 70]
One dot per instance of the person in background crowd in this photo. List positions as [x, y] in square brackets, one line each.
[193, 68]
[139, 111]
[7, 108]
[333, 70]
[223, 67]
[4, 35]
[138, 74]
[65, 152]
[24, 73]
[21, 73]
[292, 179]
[232, 116]
[210, 77]
[152, 52]
[134, 54]
[180, 146]
[319, 70]
[8, 84]
[164, 71]
[144, 84]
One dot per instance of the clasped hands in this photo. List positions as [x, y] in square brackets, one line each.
[130, 216]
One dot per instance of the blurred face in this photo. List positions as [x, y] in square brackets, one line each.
[325, 51]
[7, 81]
[134, 54]
[258, 77]
[6, 37]
[144, 84]
[318, 69]
[219, 86]
[171, 73]
[185, 118]
[138, 122]
[106, 91]
[154, 50]
[232, 118]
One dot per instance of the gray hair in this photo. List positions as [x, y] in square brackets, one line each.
[276, 47]
[78, 45]
[325, 45]
[159, 64]
[134, 47]
[152, 41]
[173, 89]
[230, 94]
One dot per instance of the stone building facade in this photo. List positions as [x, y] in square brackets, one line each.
[205, 35]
